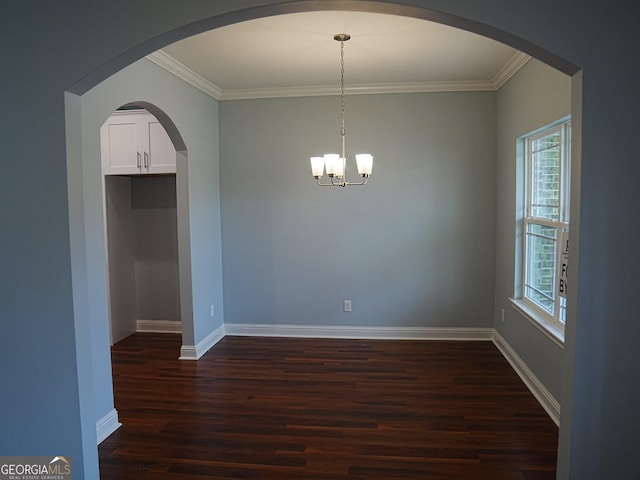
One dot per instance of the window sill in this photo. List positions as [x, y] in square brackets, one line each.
[554, 333]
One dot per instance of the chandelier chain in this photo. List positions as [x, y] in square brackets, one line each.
[342, 108]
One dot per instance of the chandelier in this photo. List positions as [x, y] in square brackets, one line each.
[334, 163]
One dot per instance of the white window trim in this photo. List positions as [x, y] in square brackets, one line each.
[552, 327]
[539, 320]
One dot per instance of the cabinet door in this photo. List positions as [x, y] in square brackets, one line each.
[160, 155]
[121, 145]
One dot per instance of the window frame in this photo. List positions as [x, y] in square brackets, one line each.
[555, 321]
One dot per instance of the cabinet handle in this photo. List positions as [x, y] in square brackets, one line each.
[146, 160]
[138, 159]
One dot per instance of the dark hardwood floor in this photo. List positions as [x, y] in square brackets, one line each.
[284, 408]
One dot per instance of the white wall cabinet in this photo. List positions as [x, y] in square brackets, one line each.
[134, 142]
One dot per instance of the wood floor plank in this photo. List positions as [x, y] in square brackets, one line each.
[324, 409]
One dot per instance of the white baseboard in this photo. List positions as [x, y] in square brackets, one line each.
[340, 331]
[159, 326]
[107, 425]
[544, 397]
[191, 352]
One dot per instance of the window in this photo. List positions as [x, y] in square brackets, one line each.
[546, 221]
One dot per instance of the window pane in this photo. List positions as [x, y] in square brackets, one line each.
[563, 310]
[545, 177]
[541, 265]
[566, 166]
[548, 141]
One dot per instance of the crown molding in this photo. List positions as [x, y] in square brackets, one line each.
[171, 65]
[364, 89]
[510, 68]
[166, 61]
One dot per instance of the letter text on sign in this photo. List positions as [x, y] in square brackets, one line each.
[563, 263]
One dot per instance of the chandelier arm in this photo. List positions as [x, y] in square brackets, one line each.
[352, 184]
[343, 183]
[325, 184]
[332, 184]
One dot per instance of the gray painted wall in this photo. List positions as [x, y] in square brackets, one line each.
[415, 247]
[156, 245]
[121, 247]
[45, 281]
[536, 96]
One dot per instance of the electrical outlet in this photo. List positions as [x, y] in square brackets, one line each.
[502, 315]
[346, 306]
[212, 310]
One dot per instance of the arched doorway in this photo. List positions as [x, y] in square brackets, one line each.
[140, 152]
[139, 167]
[216, 21]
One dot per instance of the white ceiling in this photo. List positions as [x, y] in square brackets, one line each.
[295, 54]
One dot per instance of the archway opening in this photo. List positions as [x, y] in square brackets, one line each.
[140, 151]
[214, 22]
